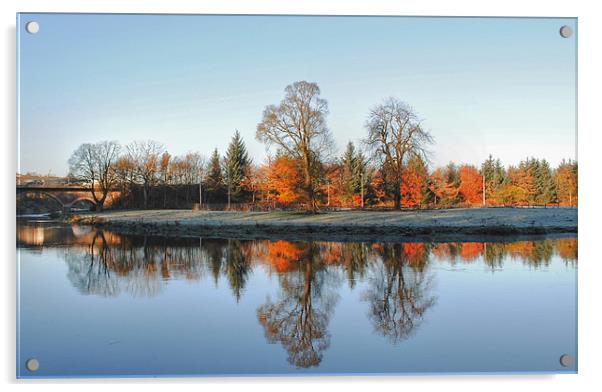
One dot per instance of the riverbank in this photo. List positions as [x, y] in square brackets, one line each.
[340, 225]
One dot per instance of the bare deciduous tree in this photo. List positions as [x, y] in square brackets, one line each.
[298, 126]
[93, 164]
[187, 169]
[146, 156]
[125, 173]
[395, 135]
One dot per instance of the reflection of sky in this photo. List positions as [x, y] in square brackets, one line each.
[514, 317]
[482, 85]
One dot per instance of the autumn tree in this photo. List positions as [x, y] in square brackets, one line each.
[411, 188]
[394, 135]
[146, 156]
[236, 167]
[298, 126]
[471, 184]
[165, 172]
[566, 180]
[285, 179]
[414, 184]
[125, 172]
[444, 184]
[93, 163]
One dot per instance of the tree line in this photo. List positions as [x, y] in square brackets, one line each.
[390, 169]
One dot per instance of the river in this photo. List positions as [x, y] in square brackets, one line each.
[96, 303]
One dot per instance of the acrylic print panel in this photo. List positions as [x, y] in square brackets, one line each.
[295, 195]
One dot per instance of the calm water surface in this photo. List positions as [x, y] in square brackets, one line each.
[94, 303]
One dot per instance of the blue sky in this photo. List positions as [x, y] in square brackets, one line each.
[504, 86]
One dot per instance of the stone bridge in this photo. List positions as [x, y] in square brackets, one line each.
[66, 197]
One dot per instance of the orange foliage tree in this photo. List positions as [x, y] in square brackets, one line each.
[566, 180]
[414, 183]
[443, 187]
[411, 188]
[285, 180]
[471, 184]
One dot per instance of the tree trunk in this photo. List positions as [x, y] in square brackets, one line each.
[311, 206]
[100, 203]
[397, 195]
[145, 196]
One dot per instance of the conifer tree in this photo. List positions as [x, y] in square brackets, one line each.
[236, 166]
[545, 186]
[354, 173]
[361, 176]
[348, 172]
[214, 183]
[494, 179]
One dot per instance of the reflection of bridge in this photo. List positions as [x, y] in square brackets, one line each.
[66, 197]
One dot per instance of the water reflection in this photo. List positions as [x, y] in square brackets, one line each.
[400, 287]
[299, 318]
[533, 253]
[398, 290]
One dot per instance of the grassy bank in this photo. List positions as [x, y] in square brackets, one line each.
[341, 225]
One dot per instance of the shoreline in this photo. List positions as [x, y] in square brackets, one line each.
[439, 225]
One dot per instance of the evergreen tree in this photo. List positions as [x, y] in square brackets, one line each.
[236, 166]
[545, 186]
[499, 175]
[494, 178]
[361, 176]
[214, 183]
[525, 180]
[452, 174]
[348, 168]
[354, 173]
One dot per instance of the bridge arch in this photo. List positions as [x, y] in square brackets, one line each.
[80, 199]
[49, 195]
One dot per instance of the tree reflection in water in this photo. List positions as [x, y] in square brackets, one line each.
[112, 264]
[238, 266]
[92, 272]
[299, 318]
[399, 293]
[396, 278]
